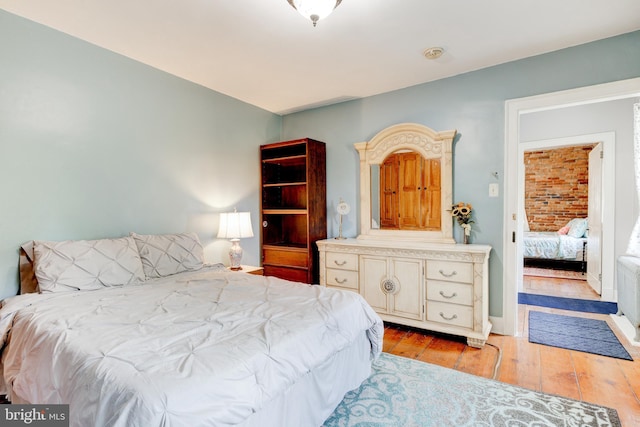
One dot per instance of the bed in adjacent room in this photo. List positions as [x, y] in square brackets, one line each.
[137, 331]
[564, 249]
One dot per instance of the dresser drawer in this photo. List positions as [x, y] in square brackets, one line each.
[342, 278]
[450, 314]
[293, 274]
[342, 261]
[285, 257]
[450, 271]
[450, 292]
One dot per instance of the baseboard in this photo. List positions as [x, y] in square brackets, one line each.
[626, 327]
[498, 325]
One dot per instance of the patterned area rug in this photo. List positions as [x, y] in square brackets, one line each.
[575, 333]
[407, 393]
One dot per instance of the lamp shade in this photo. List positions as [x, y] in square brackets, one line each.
[235, 225]
[314, 10]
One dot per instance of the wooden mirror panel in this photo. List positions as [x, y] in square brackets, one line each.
[406, 184]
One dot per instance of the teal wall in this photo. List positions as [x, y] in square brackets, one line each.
[93, 144]
[472, 103]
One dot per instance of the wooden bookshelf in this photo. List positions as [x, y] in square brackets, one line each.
[293, 208]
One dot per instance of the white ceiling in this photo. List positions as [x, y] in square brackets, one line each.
[264, 53]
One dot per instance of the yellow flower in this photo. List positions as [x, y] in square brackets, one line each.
[462, 212]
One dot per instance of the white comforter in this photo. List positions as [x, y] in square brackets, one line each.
[551, 245]
[207, 345]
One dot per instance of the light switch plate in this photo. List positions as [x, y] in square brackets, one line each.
[494, 189]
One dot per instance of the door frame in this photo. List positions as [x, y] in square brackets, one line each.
[595, 221]
[608, 140]
[512, 223]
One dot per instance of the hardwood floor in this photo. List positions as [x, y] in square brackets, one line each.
[582, 376]
[568, 288]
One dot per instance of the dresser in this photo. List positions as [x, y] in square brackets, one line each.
[433, 286]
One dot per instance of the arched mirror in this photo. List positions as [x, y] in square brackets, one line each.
[406, 184]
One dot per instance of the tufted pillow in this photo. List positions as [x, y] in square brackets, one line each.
[578, 227]
[86, 264]
[166, 254]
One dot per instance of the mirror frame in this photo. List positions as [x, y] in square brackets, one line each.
[431, 145]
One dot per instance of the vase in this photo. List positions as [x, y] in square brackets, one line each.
[465, 238]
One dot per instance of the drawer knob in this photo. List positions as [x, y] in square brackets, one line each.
[453, 273]
[340, 281]
[389, 286]
[339, 263]
[453, 295]
[448, 318]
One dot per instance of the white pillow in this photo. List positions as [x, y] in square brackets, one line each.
[86, 264]
[577, 227]
[166, 254]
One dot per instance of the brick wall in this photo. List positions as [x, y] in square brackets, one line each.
[556, 186]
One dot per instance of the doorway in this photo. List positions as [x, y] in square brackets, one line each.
[563, 184]
[513, 225]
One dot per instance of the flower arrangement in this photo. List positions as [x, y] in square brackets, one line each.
[462, 212]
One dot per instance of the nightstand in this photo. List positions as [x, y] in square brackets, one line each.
[251, 269]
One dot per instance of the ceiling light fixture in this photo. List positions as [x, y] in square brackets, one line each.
[314, 10]
[433, 52]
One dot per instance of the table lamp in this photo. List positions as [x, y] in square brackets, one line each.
[235, 226]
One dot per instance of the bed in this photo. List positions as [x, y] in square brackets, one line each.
[180, 342]
[562, 249]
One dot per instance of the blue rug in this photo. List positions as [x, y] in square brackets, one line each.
[573, 304]
[407, 393]
[575, 333]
